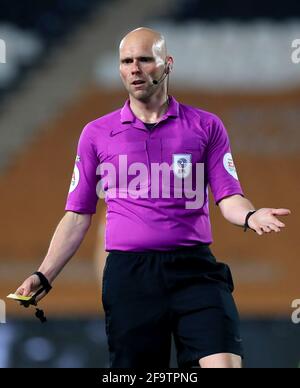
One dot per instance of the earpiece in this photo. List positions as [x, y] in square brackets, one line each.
[164, 75]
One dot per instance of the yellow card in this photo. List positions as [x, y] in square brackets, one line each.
[19, 297]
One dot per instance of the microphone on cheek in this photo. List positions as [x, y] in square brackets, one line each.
[164, 75]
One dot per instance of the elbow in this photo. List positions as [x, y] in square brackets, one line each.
[230, 204]
[224, 209]
[79, 220]
[226, 214]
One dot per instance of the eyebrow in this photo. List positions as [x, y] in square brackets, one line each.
[139, 58]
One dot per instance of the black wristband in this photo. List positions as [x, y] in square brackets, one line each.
[44, 281]
[246, 226]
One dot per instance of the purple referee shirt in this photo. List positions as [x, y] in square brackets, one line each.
[113, 148]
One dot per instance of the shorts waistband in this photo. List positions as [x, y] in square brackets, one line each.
[189, 249]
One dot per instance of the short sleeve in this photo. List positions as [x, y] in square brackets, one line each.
[221, 172]
[82, 197]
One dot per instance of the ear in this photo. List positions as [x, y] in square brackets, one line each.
[169, 66]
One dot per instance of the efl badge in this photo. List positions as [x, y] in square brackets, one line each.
[229, 165]
[182, 165]
[75, 179]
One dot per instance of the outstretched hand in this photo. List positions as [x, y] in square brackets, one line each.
[265, 220]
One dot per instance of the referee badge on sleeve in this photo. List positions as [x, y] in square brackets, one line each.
[229, 165]
[182, 165]
[75, 179]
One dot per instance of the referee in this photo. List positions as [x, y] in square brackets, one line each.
[160, 277]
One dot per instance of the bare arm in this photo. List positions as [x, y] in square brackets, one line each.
[235, 208]
[66, 240]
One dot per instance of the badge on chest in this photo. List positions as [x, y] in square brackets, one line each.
[182, 165]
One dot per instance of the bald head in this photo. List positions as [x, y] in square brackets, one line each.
[146, 38]
[143, 61]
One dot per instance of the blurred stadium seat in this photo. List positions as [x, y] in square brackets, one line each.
[30, 28]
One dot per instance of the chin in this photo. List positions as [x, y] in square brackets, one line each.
[140, 95]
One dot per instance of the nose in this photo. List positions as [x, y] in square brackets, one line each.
[135, 68]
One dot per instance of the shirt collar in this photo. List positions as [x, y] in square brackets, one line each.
[173, 108]
[129, 120]
[127, 116]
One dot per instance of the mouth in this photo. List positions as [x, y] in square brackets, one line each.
[138, 82]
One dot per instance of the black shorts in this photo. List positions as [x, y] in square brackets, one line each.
[147, 297]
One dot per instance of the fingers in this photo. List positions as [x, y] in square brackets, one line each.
[259, 229]
[259, 232]
[19, 291]
[23, 290]
[275, 227]
[271, 227]
[278, 223]
[281, 212]
[266, 229]
[29, 286]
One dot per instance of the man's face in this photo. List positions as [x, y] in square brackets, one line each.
[140, 63]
